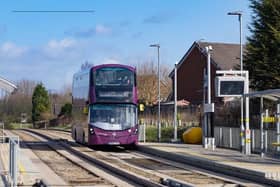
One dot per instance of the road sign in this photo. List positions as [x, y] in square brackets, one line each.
[230, 86]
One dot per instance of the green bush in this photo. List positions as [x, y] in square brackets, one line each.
[167, 133]
[66, 110]
[12, 126]
[151, 134]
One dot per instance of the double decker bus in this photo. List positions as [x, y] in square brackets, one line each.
[104, 99]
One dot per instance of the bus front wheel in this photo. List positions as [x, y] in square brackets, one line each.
[131, 146]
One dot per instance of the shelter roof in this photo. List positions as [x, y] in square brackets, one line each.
[7, 85]
[271, 94]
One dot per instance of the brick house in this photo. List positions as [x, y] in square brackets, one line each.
[190, 69]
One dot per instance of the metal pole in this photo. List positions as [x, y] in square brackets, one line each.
[242, 125]
[242, 138]
[159, 124]
[205, 142]
[241, 48]
[209, 75]
[208, 49]
[208, 91]
[175, 102]
[265, 132]
[241, 100]
[278, 125]
[261, 127]
[15, 160]
[248, 133]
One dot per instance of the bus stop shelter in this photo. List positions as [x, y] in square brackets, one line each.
[272, 95]
[7, 85]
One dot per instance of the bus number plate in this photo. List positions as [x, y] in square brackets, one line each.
[114, 143]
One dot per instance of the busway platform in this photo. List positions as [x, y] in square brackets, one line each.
[30, 168]
[231, 162]
[226, 161]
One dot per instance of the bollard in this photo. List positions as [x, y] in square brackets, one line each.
[144, 133]
[253, 139]
[206, 143]
[220, 136]
[230, 137]
[213, 143]
[265, 141]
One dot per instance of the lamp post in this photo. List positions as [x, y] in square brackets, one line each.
[175, 103]
[209, 106]
[239, 14]
[242, 140]
[159, 124]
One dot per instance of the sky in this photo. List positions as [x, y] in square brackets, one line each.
[49, 47]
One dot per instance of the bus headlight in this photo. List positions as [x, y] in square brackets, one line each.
[91, 130]
[136, 131]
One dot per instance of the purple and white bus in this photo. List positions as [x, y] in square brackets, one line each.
[104, 99]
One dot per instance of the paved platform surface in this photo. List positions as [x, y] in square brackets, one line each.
[2, 170]
[226, 159]
[30, 168]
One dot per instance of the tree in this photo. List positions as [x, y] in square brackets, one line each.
[262, 57]
[12, 106]
[66, 110]
[40, 104]
[147, 83]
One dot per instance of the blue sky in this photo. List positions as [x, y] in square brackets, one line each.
[50, 47]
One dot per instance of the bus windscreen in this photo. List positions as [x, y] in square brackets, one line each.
[113, 117]
[113, 84]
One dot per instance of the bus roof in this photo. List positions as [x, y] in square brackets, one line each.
[113, 65]
[86, 70]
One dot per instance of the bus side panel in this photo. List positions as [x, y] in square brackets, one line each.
[80, 91]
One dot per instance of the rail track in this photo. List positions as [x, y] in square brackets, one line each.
[157, 170]
[74, 171]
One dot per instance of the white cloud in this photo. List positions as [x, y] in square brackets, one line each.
[60, 44]
[110, 61]
[58, 48]
[98, 29]
[55, 61]
[11, 50]
[102, 29]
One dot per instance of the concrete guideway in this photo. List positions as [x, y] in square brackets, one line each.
[75, 160]
[262, 170]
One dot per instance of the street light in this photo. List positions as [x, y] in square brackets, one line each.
[209, 106]
[175, 103]
[247, 148]
[239, 14]
[159, 124]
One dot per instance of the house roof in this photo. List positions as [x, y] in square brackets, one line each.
[226, 56]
